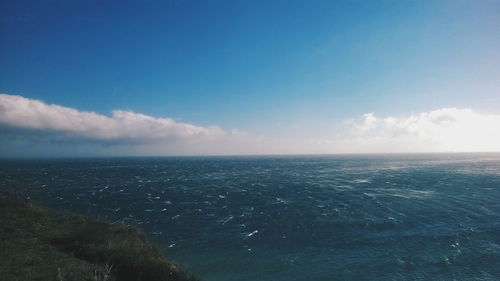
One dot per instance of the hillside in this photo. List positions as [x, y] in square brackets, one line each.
[43, 245]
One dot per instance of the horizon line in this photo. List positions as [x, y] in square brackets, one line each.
[247, 155]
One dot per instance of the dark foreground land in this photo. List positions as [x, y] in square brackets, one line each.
[43, 245]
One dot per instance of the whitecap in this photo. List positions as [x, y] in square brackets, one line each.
[404, 193]
[361, 181]
[251, 234]
[281, 201]
[227, 219]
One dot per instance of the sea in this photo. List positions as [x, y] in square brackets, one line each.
[292, 218]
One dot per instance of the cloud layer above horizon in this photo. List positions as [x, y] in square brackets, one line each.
[441, 130]
[30, 127]
[17, 111]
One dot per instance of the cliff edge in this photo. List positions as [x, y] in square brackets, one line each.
[44, 245]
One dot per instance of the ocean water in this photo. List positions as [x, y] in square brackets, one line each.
[294, 218]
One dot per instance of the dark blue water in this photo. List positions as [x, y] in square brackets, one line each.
[370, 217]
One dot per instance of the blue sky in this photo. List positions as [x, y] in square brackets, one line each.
[279, 69]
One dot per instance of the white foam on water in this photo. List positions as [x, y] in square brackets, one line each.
[361, 181]
[251, 234]
[401, 192]
[227, 219]
[281, 201]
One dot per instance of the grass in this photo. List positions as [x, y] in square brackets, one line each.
[43, 245]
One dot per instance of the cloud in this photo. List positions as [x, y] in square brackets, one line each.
[31, 114]
[30, 127]
[446, 129]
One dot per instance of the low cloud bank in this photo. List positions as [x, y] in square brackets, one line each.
[20, 112]
[30, 127]
[446, 129]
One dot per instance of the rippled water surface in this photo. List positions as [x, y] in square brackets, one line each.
[365, 217]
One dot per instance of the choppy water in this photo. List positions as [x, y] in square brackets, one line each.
[367, 217]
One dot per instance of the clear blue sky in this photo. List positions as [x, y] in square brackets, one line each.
[266, 67]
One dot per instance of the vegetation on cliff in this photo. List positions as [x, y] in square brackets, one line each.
[43, 245]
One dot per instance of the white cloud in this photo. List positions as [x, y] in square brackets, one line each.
[31, 127]
[446, 129]
[20, 112]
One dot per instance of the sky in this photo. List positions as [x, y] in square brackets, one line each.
[119, 78]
